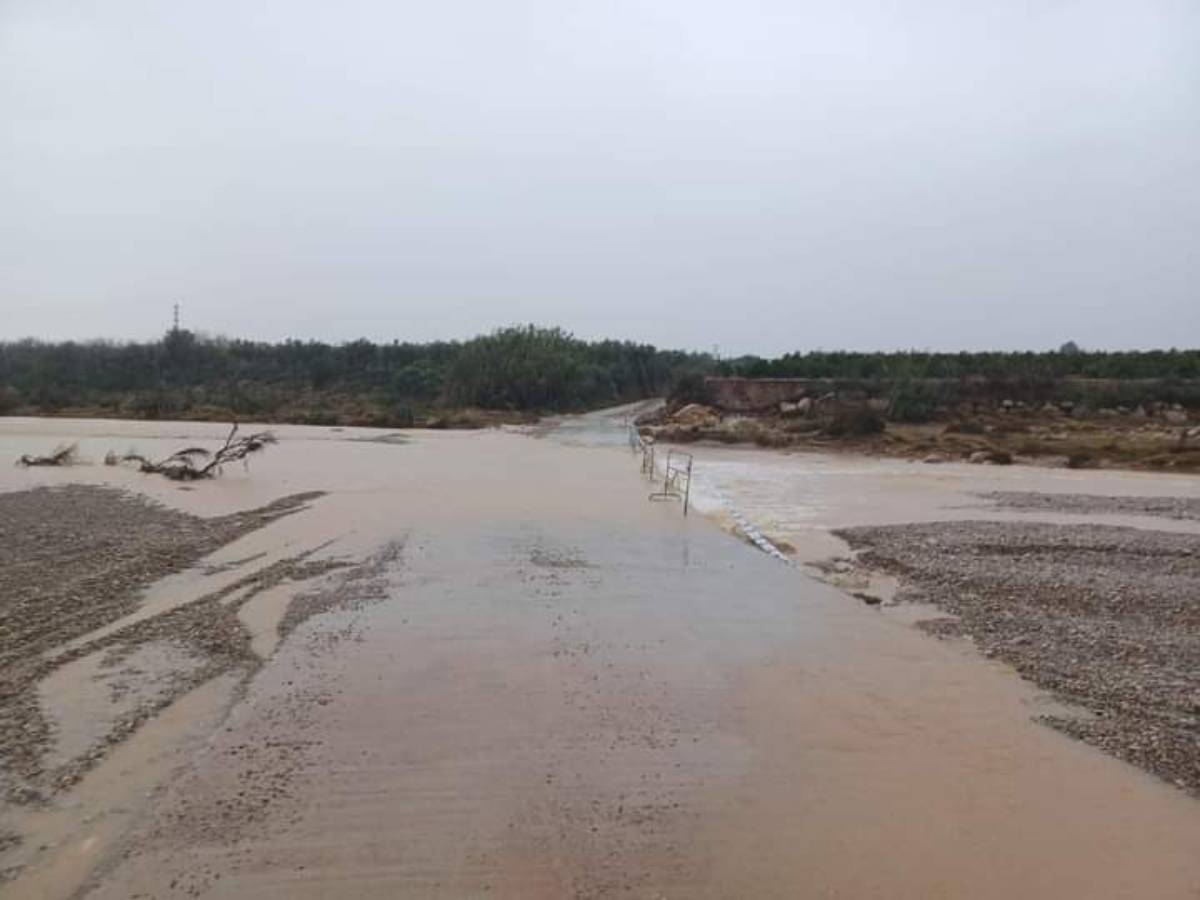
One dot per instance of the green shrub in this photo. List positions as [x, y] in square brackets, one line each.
[912, 401]
[10, 400]
[855, 421]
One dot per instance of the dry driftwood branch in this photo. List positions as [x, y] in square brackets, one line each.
[193, 463]
[63, 456]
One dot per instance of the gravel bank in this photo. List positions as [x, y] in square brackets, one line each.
[76, 558]
[1107, 618]
[1083, 504]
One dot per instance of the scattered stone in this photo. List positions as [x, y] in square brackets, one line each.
[800, 407]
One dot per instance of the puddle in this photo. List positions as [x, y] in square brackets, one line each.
[85, 699]
[261, 615]
[397, 438]
[62, 843]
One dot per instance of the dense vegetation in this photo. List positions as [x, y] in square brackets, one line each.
[522, 370]
[1067, 361]
[515, 369]
[916, 384]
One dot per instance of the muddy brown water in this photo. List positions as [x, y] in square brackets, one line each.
[801, 496]
[565, 691]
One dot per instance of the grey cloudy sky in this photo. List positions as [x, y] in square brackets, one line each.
[764, 175]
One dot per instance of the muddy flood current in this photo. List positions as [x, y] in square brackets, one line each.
[483, 664]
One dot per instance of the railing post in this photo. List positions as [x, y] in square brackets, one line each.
[671, 471]
[687, 490]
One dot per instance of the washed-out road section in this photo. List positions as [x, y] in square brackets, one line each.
[553, 688]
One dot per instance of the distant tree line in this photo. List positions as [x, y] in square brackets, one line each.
[523, 369]
[916, 384]
[1069, 360]
[526, 369]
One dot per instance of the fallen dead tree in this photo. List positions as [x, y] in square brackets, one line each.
[63, 456]
[195, 463]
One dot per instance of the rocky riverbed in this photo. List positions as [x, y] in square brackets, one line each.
[1107, 618]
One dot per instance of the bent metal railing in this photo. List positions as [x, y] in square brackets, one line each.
[677, 476]
[677, 479]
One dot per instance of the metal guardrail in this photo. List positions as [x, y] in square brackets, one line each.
[679, 471]
[677, 479]
[637, 445]
[677, 474]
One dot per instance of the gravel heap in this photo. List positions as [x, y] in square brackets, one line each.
[1107, 618]
[1162, 507]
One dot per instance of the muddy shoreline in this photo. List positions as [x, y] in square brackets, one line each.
[1106, 618]
[1046, 438]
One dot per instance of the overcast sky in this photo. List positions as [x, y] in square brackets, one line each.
[764, 175]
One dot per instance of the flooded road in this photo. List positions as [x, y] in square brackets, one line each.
[548, 687]
[800, 496]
